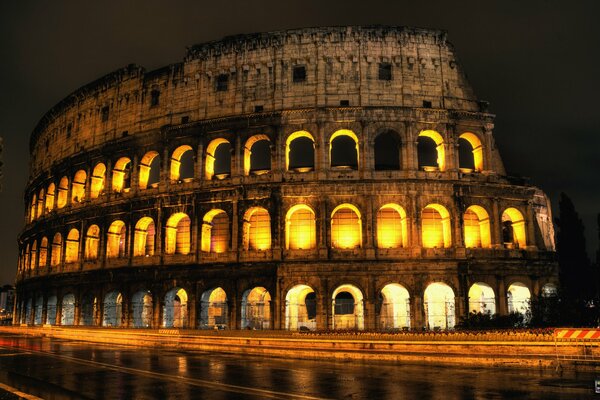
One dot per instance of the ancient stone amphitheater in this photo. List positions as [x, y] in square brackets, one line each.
[319, 178]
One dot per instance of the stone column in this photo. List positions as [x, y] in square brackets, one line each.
[496, 225]
[501, 301]
[531, 242]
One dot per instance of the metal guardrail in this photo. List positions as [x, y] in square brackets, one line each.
[586, 340]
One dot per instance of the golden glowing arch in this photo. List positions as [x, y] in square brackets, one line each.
[78, 187]
[32, 207]
[392, 230]
[177, 234]
[72, 246]
[63, 189]
[475, 142]
[50, 197]
[344, 132]
[435, 223]
[440, 147]
[97, 180]
[119, 174]
[354, 320]
[297, 315]
[248, 150]
[40, 203]
[215, 231]
[257, 229]
[439, 305]
[56, 256]
[209, 166]
[395, 307]
[145, 167]
[517, 225]
[43, 259]
[300, 228]
[175, 171]
[476, 223]
[143, 240]
[33, 257]
[116, 237]
[290, 139]
[346, 227]
[92, 242]
[482, 298]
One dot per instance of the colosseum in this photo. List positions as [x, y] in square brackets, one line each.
[308, 179]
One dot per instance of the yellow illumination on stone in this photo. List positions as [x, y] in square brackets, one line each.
[300, 230]
[519, 297]
[56, 254]
[97, 180]
[257, 229]
[50, 197]
[391, 227]
[209, 166]
[439, 306]
[477, 149]
[476, 224]
[440, 147]
[176, 162]
[518, 226]
[296, 315]
[144, 173]
[177, 234]
[288, 142]
[119, 174]
[482, 299]
[72, 246]
[40, 203]
[435, 221]
[346, 227]
[92, 242]
[32, 208]
[33, 259]
[63, 189]
[43, 259]
[248, 151]
[345, 132]
[354, 320]
[143, 240]
[78, 187]
[115, 240]
[215, 232]
[395, 307]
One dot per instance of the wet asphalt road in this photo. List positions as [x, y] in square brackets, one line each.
[56, 369]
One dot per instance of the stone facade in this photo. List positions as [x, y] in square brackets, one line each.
[320, 84]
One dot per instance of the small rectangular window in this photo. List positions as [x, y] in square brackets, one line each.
[258, 109]
[104, 114]
[299, 74]
[185, 120]
[154, 98]
[426, 104]
[344, 103]
[222, 81]
[385, 71]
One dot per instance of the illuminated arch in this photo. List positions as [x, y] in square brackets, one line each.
[476, 223]
[346, 227]
[439, 148]
[347, 308]
[92, 242]
[215, 231]
[121, 180]
[97, 180]
[482, 299]
[149, 170]
[32, 207]
[177, 234]
[439, 306]
[43, 259]
[292, 153]
[392, 229]
[143, 240]
[519, 297]
[214, 310]
[175, 309]
[67, 310]
[300, 308]
[113, 309]
[395, 307]
[26, 258]
[256, 309]
[72, 246]
[141, 304]
[352, 161]
[513, 228]
[63, 190]
[78, 187]
[476, 149]
[248, 148]
[56, 254]
[211, 158]
[300, 228]
[51, 305]
[40, 203]
[50, 197]
[386, 148]
[116, 240]
[257, 229]
[33, 256]
[435, 223]
[177, 163]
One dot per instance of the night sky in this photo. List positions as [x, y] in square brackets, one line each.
[536, 62]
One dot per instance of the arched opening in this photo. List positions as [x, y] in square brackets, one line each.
[56, 255]
[72, 246]
[63, 190]
[43, 260]
[26, 265]
[38, 311]
[143, 240]
[149, 170]
[214, 310]
[40, 203]
[121, 180]
[476, 223]
[519, 298]
[215, 231]
[439, 306]
[32, 208]
[67, 307]
[257, 155]
[549, 290]
[89, 309]
[257, 229]
[78, 187]
[218, 159]
[436, 233]
[346, 227]
[300, 229]
[300, 309]
[392, 229]
[431, 151]
[177, 234]
[113, 309]
[115, 240]
[387, 149]
[33, 257]
[470, 152]
[28, 312]
[347, 308]
[256, 309]
[50, 197]
[300, 152]
[51, 310]
[395, 307]
[142, 309]
[92, 242]
[182, 164]
[343, 150]
[175, 308]
[482, 299]
[97, 180]
[513, 229]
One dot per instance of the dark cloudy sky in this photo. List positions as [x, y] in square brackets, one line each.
[536, 62]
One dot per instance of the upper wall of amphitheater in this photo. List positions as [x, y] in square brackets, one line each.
[267, 72]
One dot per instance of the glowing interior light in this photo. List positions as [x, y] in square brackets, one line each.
[215, 232]
[50, 197]
[78, 187]
[257, 229]
[300, 228]
[435, 226]
[391, 227]
[92, 241]
[143, 240]
[56, 254]
[43, 252]
[477, 149]
[395, 307]
[145, 168]
[439, 306]
[72, 246]
[518, 296]
[97, 180]
[115, 240]
[177, 234]
[211, 150]
[440, 147]
[63, 188]
[298, 313]
[476, 225]
[175, 171]
[482, 299]
[121, 178]
[346, 229]
[517, 226]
